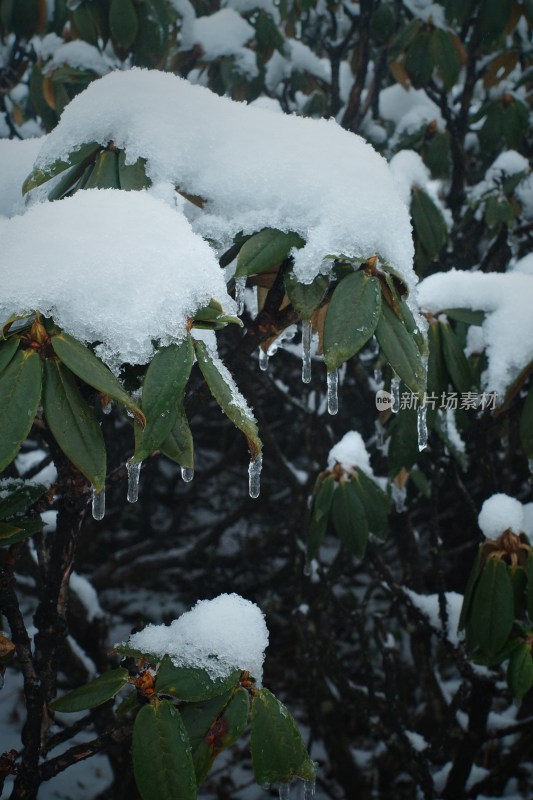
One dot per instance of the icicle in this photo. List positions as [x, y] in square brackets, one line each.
[399, 494]
[309, 790]
[284, 791]
[187, 474]
[263, 360]
[98, 504]
[378, 377]
[306, 350]
[254, 476]
[422, 427]
[395, 391]
[240, 284]
[333, 385]
[134, 471]
[380, 430]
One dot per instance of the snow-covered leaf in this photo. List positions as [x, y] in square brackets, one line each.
[20, 393]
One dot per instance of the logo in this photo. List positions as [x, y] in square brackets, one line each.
[383, 400]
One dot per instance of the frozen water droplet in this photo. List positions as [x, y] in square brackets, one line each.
[399, 494]
[309, 790]
[187, 474]
[378, 377]
[240, 284]
[395, 391]
[422, 427]
[98, 504]
[284, 791]
[263, 360]
[306, 351]
[254, 476]
[107, 408]
[333, 386]
[134, 472]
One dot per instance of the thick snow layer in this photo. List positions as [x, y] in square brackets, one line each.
[350, 452]
[508, 325]
[428, 604]
[224, 33]
[16, 162]
[79, 55]
[499, 513]
[255, 168]
[120, 268]
[407, 108]
[409, 170]
[217, 635]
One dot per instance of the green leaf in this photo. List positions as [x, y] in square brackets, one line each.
[92, 694]
[123, 23]
[446, 57]
[265, 250]
[375, 503]
[130, 703]
[382, 23]
[20, 496]
[179, 446]
[465, 315]
[228, 397]
[67, 181]
[428, 223]
[278, 751]
[153, 40]
[162, 395]
[400, 350]
[526, 424]
[437, 373]
[191, 683]
[17, 529]
[132, 652]
[519, 583]
[493, 17]
[419, 60]
[73, 423]
[8, 348]
[162, 759]
[202, 722]
[105, 172]
[520, 671]
[306, 297]
[498, 212]
[492, 614]
[132, 177]
[349, 518]
[320, 515]
[351, 319]
[234, 718]
[456, 361]
[403, 448]
[83, 363]
[7, 530]
[20, 393]
[40, 175]
[469, 592]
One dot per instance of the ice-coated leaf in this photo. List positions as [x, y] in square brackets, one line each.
[162, 759]
[520, 671]
[349, 518]
[179, 445]
[162, 395]
[352, 316]
[191, 683]
[83, 363]
[320, 515]
[92, 694]
[20, 393]
[526, 424]
[400, 350]
[39, 176]
[492, 616]
[123, 23]
[306, 297]
[132, 177]
[375, 503]
[20, 496]
[278, 751]
[8, 348]
[225, 394]
[456, 361]
[265, 250]
[73, 423]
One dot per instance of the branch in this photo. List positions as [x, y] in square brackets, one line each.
[80, 752]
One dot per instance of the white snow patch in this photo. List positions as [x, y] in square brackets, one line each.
[16, 163]
[79, 55]
[428, 604]
[217, 635]
[350, 452]
[499, 513]
[87, 595]
[417, 741]
[508, 325]
[111, 267]
[408, 170]
[251, 165]
[224, 33]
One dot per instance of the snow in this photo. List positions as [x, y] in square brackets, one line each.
[508, 325]
[524, 265]
[16, 162]
[528, 520]
[87, 596]
[417, 741]
[250, 164]
[500, 513]
[429, 606]
[453, 434]
[350, 452]
[110, 267]
[223, 33]
[78, 55]
[217, 635]
[408, 170]
[408, 109]
[508, 163]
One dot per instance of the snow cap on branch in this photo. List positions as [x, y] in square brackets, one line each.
[500, 513]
